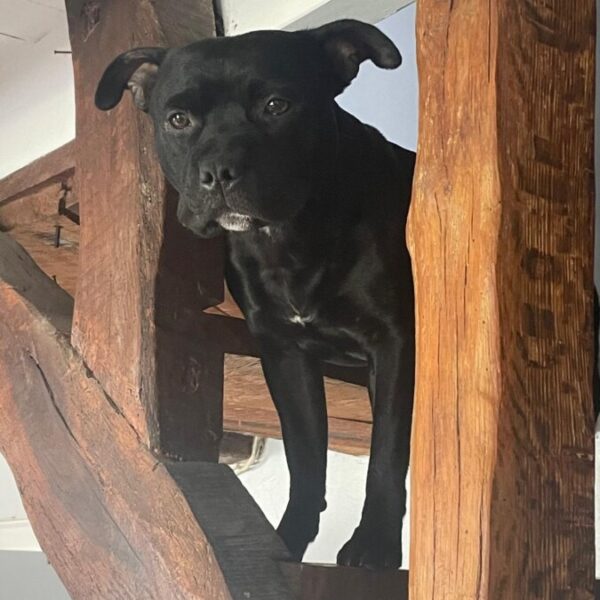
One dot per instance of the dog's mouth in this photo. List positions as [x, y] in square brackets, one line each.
[233, 221]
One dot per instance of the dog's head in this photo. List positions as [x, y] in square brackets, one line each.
[245, 126]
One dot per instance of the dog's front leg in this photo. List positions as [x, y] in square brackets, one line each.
[295, 381]
[377, 541]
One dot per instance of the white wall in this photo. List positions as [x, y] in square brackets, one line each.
[389, 100]
[37, 104]
[11, 507]
[346, 477]
[28, 576]
[15, 531]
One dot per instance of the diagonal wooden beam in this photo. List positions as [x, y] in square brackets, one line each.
[143, 279]
[501, 232]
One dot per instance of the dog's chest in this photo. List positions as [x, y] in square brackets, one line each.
[313, 297]
[297, 296]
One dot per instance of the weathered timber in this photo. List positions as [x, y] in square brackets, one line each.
[55, 166]
[38, 203]
[144, 280]
[501, 237]
[247, 407]
[347, 583]
[115, 520]
[40, 238]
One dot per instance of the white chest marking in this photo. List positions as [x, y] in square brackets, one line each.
[300, 320]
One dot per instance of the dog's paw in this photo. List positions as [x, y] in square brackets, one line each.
[297, 532]
[370, 550]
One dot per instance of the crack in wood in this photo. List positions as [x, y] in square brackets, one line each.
[52, 397]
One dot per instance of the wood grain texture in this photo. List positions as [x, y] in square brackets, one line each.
[114, 520]
[54, 166]
[39, 239]
[500, 232]
[248, 408]
[347, 583]
[37, 203]
[143, 278]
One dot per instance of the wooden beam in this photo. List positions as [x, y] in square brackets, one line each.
[248, 408]
[115, 520]
[347, 583]
[144, 280]
[54, 166]
[40, 203]
[501, 237]
[60, 262]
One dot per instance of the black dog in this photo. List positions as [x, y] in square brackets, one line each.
[314, 204]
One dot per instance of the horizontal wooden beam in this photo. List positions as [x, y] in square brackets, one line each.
[55, 165]
[248, 408]
[39, 203]
[53, 243]
[319, 582]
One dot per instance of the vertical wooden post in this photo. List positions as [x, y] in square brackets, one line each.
[501, 233]
[143, 279]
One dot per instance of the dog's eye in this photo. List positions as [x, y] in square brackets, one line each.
[179, 120]
[277, 106]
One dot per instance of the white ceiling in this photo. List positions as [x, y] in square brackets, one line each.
[240, 16]
[27, 21]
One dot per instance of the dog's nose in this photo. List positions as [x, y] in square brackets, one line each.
[226, 176]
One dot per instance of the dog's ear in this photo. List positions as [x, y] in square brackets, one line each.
[348, 43]
[137, 70]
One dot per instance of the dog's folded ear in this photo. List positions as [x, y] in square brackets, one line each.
[348, 43]
[137, 70]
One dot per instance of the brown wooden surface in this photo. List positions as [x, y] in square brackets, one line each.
[37, 203]
[227, 308]
[114, 520]
[143, 279]
[54, 166]
[248, 408]
[39, 239]
[501, 236]
[347, 583]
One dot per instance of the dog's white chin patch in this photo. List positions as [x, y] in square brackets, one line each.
[235, 222]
